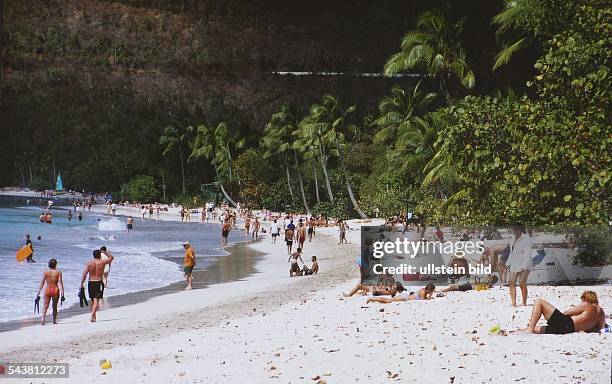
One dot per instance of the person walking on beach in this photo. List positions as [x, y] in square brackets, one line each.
[289, 235]
[247, 225]
[80, 216]
[95, 270]
[225, 230]
[29, 259]
[301, 234]
[188, 264]
[104, 256]
[311, 228]
[519, 263]
[143, 211]
[130, 224]
[113, 208]
[342, 227]
[69, 215]
[256, 227]
[53, 279]
[274, 230]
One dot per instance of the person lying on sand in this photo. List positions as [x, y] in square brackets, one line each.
[420, 294]
[378, 290]
[588, 316]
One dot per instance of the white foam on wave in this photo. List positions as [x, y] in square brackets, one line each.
[113, 224]
[134, 269]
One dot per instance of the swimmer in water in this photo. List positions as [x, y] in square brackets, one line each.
[53, 279]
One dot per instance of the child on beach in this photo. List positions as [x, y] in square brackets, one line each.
[53, 279]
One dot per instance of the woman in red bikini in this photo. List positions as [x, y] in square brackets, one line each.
[54, 281]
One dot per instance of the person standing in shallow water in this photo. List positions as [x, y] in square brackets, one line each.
[256, 227]
[53, 279]
[225, 230]
[30, 259]
[130, 224]
[188, 264]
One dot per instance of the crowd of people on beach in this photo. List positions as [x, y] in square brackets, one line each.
[512, 262]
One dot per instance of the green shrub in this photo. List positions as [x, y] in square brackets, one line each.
[141, 189]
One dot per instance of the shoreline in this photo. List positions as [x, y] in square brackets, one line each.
[260, 292]
[268, 327]
[238, 252]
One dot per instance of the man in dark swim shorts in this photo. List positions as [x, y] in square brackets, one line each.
[95, 270]
[588, 316]
[225, 229]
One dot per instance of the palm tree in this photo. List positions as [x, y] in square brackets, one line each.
[310, 139]
[177, 138]
[435, 46]
[281, 133]
[277, 140]
[436, 163]
[522, 23]
[399, 112]
[217, 146]
[330, 119]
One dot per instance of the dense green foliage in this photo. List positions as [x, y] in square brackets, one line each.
[140, 189]
[453, 145]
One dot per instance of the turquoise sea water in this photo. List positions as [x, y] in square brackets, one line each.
[147, 258]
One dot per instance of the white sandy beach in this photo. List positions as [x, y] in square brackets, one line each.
[271, 328]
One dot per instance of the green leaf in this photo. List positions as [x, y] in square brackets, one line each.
[567, 197]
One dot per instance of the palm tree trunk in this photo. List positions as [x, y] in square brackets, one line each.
[324, 166]
[444, 89]
[229, 199]
[348, 185]
[316, 179]
[182, 166]
[297, 167]
[288, 178]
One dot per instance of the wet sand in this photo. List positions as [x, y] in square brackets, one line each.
[239, 264]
